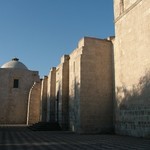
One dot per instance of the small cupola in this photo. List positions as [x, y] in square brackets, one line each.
[14, 64]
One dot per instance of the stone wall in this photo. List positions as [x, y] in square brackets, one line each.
[122, 7]
[34, 104]
[44, 99]
[132, 68]
[51, 99]
[62, 92]
[74, 89]
[14, 101]
[91, 86]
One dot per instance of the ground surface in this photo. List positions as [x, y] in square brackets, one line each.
[21, 138]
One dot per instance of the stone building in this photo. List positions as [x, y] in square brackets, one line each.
[51, 98]
[103, 86]
[61, 93]
[15, 83]
[132, 67]
[109, 80]
[91, 86]
[79, 86]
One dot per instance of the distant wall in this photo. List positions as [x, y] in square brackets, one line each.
[74, 89]
[51, 98]
[62, 92]
[43, 110]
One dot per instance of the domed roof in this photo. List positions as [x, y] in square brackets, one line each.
[14, 64]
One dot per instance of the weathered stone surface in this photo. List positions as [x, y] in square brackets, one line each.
[90, 86]
[62, 92]
[34, 104]
[132, 68]
[14, 101]
[43, 110]
[51, 99]
[102, 84]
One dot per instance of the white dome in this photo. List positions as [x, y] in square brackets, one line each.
[14, 64]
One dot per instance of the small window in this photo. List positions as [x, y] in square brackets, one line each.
[16, 83]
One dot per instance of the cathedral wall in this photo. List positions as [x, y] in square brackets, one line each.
[129, 3]
[118, 7]
[74, 88]
[58, 94]
[62, 92]
[90, 86]
[96, 104]
[44, 99]
[14, 96]
[132, 69]
[51, 98]
[123, 6]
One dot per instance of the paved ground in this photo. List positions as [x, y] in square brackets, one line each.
[21, 138]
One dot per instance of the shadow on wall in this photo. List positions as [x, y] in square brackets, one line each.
[133, 108]
[137, 94]
[74, 107]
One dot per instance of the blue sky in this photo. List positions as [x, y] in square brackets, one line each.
[39, 32]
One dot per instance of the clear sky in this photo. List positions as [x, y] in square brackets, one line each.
[39, 32]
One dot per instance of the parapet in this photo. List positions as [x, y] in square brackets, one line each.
[87, 41]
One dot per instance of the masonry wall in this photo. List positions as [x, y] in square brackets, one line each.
[34, 104]
[91, 83]
[74, 89]
[14, 101]
[51, 99]
[132, 68]
[62, 92]
[121, 6]
[44, 99]
[96, 86]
